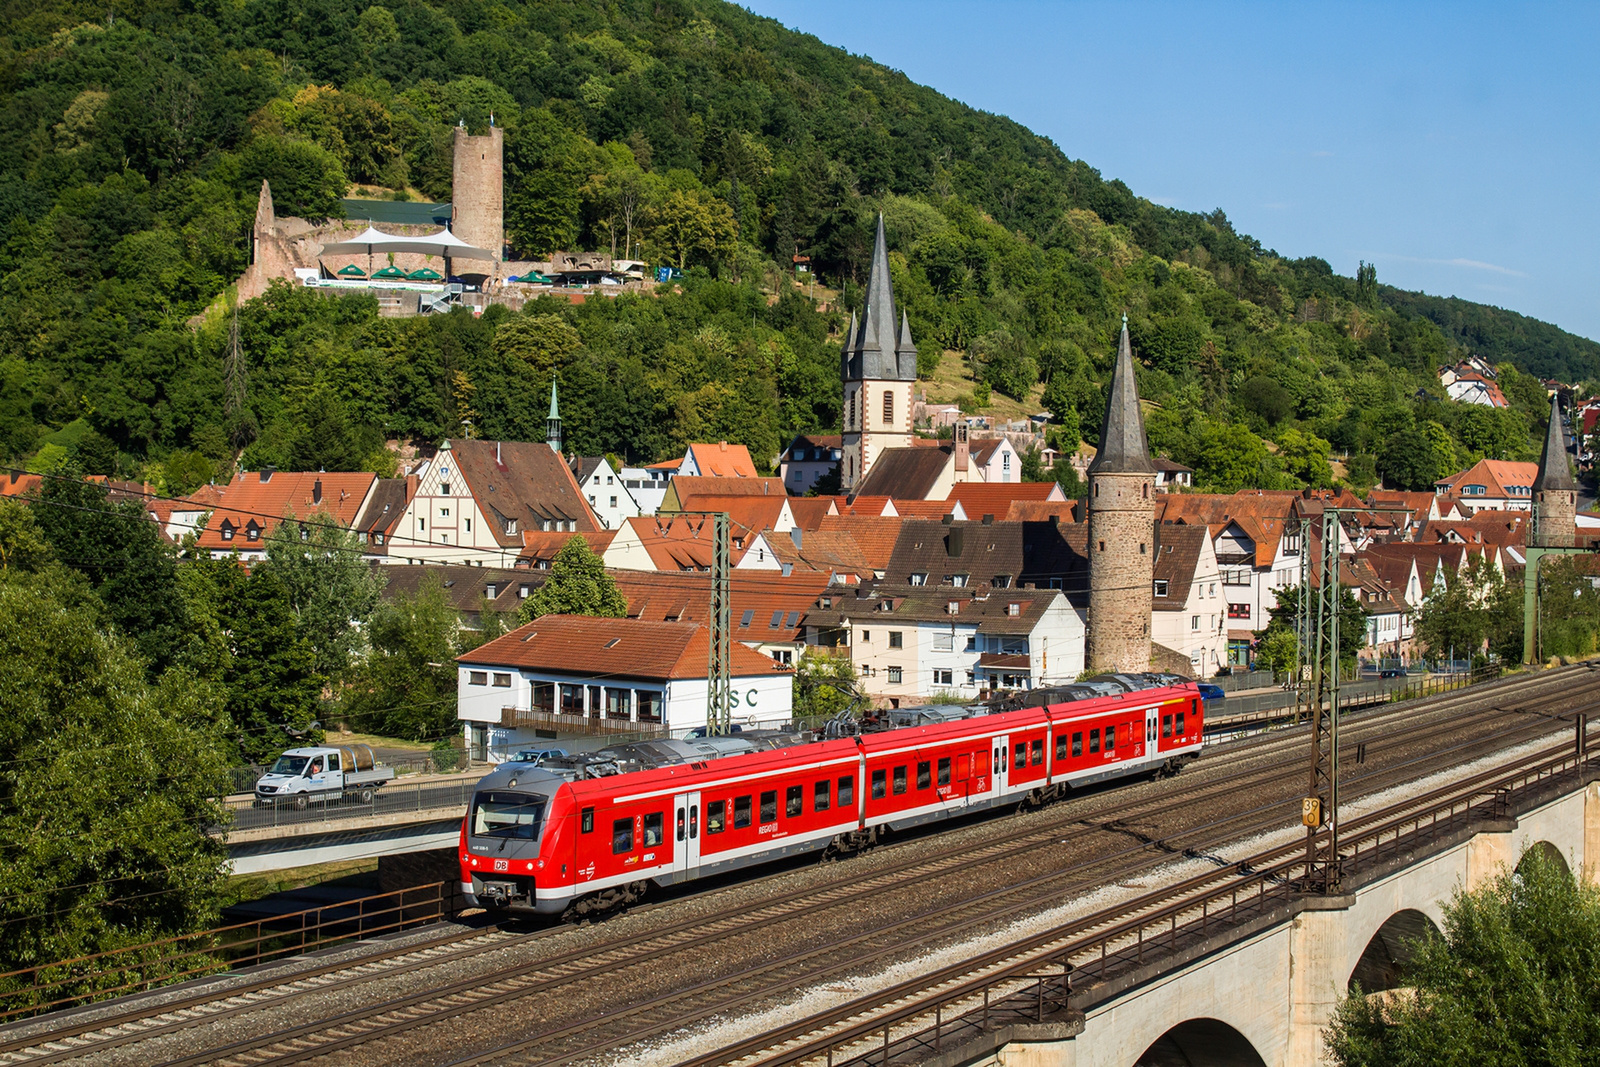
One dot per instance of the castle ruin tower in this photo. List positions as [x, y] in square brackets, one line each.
[1555, 494]
[878, 367]
[477, 190]
[1121, 529]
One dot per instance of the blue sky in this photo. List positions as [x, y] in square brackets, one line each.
[1453, 145]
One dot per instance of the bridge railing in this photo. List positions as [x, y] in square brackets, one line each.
[391, 800]
[1028, 980]
[135, 968]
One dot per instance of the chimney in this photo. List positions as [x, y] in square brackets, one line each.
[962, 448]
[316, 491]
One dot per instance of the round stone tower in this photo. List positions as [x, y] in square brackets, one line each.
[1121, 529]
[477, 189]
[1555, 495]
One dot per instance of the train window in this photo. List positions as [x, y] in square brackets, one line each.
[980, 763]
[1037, 751]
[741, 812]
[1111, 738]
[716, 816]
[769, 806]
[621, 836]
[924, 774]
[1177, 727]
[1019, 755]
[1094, 740]
[880, 784]
[652, 829]
[1166, 726]
[899, 780]
[1061, 745]
[1077, 744]
[588, 820]
[944, 770]
[847, 792]
[793, 799]
[819, 796]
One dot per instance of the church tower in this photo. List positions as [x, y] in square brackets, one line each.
[552, 422]
[1555, 496]
[879, 368]
[1121, 529]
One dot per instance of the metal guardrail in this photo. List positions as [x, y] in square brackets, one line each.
[1028, 980]
[391, 800]
[136, 968]
[1358, 693]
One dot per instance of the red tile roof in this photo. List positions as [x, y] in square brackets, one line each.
[723, 460]
[761, 598]
[995, 498]
[540, 547]
[588, 647]
[930, 509]
[809, 511]
[527, 482]
[875, 537]
[248, 499]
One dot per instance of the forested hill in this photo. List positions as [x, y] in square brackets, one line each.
[133, 140]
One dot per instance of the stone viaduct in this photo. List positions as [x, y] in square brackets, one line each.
[1263, 998]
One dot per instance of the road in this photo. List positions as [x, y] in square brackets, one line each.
[392, 799]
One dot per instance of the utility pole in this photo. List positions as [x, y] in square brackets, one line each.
[719, 619]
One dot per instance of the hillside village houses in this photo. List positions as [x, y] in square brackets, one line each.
[935, 570]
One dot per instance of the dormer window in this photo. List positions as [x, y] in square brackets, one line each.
[305, 534]
[491, 590]
[1161, 586]
[1013, 609]
[377, 538]
[919, 578]
[952, 607]
[511, 526]
[227, 530]
[252, 532]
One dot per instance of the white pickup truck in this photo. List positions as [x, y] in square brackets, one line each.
[322, 774]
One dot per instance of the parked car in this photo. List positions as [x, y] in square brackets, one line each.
[1211, 694]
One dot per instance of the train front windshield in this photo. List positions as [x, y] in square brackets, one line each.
[513, 815]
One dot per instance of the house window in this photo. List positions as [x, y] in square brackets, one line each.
[613, 501]
[572, 700]
[491, 590]
[422, 524]
[972, 679]
[649, 705]
[1236, 576]
[894, 639]
[377, 539]
[894, 675]
[522, 592]
[1005, 461]
[957, 580]
[1194, 622]
[619, 703]
[227, 530]
[943, 677]
[444, 513]
[610, 480]
[1002, 581]
[1238, 611]
[444, 488]
[749, 613]
[1161, 586]
[478, 677]
[252, 532]
[502, 681]
[888, 408]
[944, 641]
[1291, 543]
[1013, 609]
[919, 578]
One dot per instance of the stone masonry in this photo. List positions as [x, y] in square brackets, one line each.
[478, 191]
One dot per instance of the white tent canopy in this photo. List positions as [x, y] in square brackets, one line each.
[374, 241]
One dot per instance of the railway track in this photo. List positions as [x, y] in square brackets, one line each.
[1259, 762]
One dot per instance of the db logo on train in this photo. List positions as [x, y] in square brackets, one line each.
[502, 865]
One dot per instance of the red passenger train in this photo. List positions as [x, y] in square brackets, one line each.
[593, 832]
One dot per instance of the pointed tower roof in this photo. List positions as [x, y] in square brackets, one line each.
[1554, 470]
[881, 348]
[555, 412]
[1123, 446]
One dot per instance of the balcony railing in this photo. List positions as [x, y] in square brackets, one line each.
[528, 719]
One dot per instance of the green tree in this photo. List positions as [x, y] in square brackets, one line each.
[1460, 616]
[1352, 619]
[108, 788]
[332, 591]
[1278, 651]
[22, 544]
[1515, 980]
[578, 585]
[119, 550]
[1305, 456]
[824, 685]
[689, 224]
[406, 684]
[306, 180]
[273, 681]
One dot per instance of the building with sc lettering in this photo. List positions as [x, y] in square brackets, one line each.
[565, 676]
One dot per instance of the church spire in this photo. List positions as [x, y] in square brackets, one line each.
[880, 348]
[1554, 471]
[552, 422]
[1123, 447]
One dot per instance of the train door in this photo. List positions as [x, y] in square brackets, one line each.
[1152, 733]
[1000, 762]
[686, 834]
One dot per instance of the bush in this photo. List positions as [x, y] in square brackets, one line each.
[446, 757]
